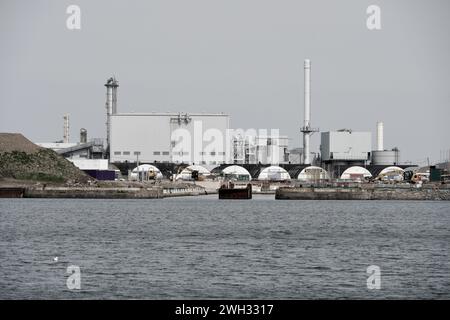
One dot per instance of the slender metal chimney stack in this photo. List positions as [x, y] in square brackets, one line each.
[111, 106]
[66, 128]
[306, 129]
[380, 146]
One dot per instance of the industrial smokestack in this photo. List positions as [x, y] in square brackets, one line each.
[83, 135]
[307, 111]
[66, 129]
[380, 146]
[111, 105]
[306, 129]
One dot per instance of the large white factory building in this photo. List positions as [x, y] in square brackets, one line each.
[169, 137]
[346, 145]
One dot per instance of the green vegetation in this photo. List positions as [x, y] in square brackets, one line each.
[43, 165]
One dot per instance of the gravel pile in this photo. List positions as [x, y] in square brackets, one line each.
[16, 142]
[23, 160]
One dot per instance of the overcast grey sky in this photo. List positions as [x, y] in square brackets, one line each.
[240, 57]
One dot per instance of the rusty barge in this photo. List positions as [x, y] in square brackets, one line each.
[230, 192]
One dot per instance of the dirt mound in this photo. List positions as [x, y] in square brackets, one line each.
[21, 159]
[16, 142]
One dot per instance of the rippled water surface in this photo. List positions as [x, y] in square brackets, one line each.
[200, 247]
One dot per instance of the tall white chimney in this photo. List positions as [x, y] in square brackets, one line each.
[306, 129]
[380, 146]
[307, 114]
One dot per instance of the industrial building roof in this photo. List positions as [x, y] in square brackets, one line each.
[169, 114]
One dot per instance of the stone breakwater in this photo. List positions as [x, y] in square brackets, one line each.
[342, 193]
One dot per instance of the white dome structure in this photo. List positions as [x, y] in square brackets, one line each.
[147, 170]
[313, 173]
[237, 172]
[274, 173]
[356, 173]
[392, 173]
[186, 173]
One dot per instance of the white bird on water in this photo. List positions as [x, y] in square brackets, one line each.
[55, 259]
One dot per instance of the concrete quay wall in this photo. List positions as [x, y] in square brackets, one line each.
[362, 194]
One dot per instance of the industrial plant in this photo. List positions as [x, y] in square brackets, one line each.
[202, 147]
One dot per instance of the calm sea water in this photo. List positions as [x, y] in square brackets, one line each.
[200, 247]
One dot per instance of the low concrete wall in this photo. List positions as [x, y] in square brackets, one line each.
[182, 192]
[362, 194]
[112, 193]
[210, 187]
[95, 193]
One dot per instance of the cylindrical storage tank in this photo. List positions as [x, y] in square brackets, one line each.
[83, 135]
[386, 157]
